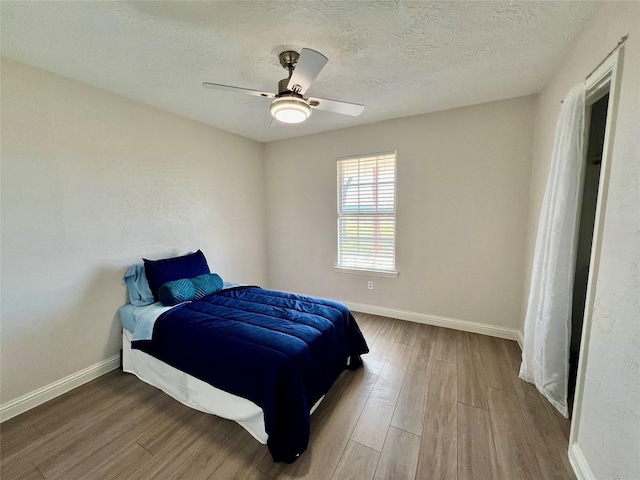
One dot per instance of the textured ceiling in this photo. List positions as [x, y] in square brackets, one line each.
[397, 58]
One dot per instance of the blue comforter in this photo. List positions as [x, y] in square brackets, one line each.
[280, 350]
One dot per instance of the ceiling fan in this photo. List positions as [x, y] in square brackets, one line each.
[289, 104]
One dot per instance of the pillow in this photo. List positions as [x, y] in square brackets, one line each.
[206, 284]
[186, 289]
[137, 286]
[160, 272]
[177, 291]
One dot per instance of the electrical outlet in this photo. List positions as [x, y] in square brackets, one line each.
[370, 285]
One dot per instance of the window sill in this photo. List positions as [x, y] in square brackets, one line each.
[369, 273]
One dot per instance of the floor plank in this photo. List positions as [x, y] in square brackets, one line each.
[476, 451]
[399, 457]
[178, 451]
[357, 463]
[19, 468]
[370, 325]
[412, 401]
[516, 458]
[439, 445]
[382, 345]
[121, 464]
[446, 346]
[428, 332]
[17, 440]
[408, 333]
[496, 368]
[374, 422]
[166, 426]
[242, 462]
[544, 430]
[207, 458]
[471, 383]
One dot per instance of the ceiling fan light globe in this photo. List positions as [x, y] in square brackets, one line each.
[291, 115]
[290, 110]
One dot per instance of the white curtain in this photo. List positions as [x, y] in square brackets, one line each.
[547, 327]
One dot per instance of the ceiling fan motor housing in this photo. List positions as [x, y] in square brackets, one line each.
[288, 60]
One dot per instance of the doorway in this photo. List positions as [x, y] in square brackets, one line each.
[605, 80]
[595, 128]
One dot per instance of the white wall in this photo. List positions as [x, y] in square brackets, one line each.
[91, 182]
[607, 432]
[462, 202]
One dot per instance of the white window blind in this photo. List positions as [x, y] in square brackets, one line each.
[367, 212]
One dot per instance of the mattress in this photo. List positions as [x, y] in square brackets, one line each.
[193, 392]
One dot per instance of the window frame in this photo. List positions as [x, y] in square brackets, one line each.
[390, 273]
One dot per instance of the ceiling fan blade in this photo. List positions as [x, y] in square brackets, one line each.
[307, 69]
[255, 93]
[336, 106]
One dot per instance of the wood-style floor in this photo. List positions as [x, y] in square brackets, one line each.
[430, 403]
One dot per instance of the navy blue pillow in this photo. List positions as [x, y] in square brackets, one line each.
[160, 272]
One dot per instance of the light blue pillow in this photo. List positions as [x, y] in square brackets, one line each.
[137, 286]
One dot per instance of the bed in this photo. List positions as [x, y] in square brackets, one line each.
[260, 357]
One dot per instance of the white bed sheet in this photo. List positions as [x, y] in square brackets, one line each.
[193, 392]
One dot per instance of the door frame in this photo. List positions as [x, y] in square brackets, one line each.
[605, 79]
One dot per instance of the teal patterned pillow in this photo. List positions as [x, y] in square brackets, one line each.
[177, 291]
[206, 284]
[187, 289]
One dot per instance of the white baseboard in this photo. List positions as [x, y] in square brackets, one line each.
[579, 463]
[464, 325]
[48, 392]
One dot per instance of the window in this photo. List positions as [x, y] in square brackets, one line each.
[367, 213]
